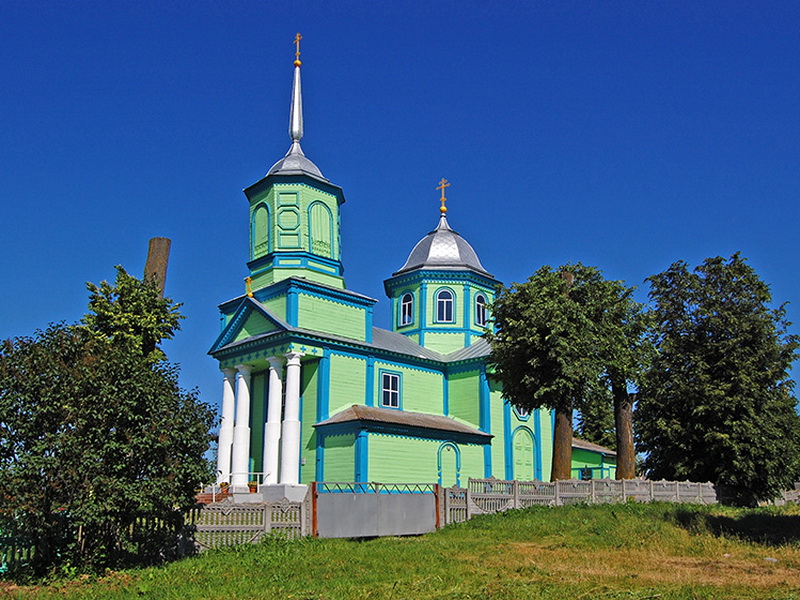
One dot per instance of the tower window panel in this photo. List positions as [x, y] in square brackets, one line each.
[480, 310]
[444, 306]
[406, 309]
[390, 390]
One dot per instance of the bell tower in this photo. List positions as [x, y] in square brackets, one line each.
[294, 213]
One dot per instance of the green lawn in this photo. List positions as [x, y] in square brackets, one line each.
[632, 551]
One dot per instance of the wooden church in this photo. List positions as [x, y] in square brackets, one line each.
[312, 391]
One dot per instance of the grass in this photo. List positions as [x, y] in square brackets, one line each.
[631, 551]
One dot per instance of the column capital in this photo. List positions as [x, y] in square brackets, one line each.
[293, 358]
[275, 362]
[229, 372]
[244, 369]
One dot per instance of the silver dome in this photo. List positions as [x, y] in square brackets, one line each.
[296, 163]
[443, 248]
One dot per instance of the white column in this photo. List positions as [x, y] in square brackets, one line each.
[272, 433]
[290, 434]
[226, 428]
[241, 431]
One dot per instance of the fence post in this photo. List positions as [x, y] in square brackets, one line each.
[437, 490]
[515, 494]
[624, 490]
[467, 498]
[267, 518]
[593, 492]
[314, 524]
[677, 492]
[556, 495]
[651, 490]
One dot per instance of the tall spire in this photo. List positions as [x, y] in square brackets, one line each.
[295, 161]
[296, 112]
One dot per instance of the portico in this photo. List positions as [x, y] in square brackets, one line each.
[281, 452]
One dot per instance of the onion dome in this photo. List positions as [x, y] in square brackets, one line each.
[295, 161]
[443, 248]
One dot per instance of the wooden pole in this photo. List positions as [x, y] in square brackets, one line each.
[155, 269]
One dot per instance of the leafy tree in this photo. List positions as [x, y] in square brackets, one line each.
[595, 420]
[716, 403]
[96, 435]
[558, 334]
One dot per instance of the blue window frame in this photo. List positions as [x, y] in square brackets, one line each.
[390, 390]
[406, 309]
[444, 306]
[480, 310]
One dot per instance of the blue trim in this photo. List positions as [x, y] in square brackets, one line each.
[423, 312]
[537, 431]
[243, 311]
[362, 456]
[445, 395]
[292, 307]
[467, 322]
[457, 450]
[324, 385]
[399, 375]
[319, 474]
[552, 424]
[487, 284]
[519, 415]
[368, 325]
[509, 449]
[484, 394]
[369, 400]
[393, 312]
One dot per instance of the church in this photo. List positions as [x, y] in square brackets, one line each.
[312, 391]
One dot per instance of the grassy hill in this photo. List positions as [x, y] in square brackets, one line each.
[631, 551]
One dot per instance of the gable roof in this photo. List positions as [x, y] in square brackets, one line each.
[584, 445]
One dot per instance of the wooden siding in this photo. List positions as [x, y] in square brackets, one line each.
[258, 415]
[395, 459]
[348, 382]
[277, 306]
[255, 324]
[340, 457]
[497, 412]
[444, 342]
[464, 397]
[331, 317]
[421, 391]
[308, 440]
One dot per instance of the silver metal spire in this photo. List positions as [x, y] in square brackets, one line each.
[295, 161]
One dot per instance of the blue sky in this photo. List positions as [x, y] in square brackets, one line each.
[625, 135]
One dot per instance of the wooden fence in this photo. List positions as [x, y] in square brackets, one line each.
[485, 496]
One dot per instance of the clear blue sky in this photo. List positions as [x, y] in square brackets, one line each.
[625, 135]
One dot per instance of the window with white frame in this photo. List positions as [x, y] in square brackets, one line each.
[480, 310]
[406, 309]
[444, 306]
[390, 390]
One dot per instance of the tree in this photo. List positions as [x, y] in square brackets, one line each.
[96, 434]
[595, 420]
[716, 403]
[558, 335]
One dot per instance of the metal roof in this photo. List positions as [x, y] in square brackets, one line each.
[584, 445]
[392, 416]
[443, 248]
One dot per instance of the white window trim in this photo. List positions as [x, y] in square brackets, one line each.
[441, 301]
[392, 391]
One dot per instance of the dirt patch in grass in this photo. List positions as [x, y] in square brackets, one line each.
[538, 562]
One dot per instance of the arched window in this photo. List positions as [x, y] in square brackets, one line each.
[260, 231]
[406, 309]
[444, 306]
[480, 310]
[321, 230]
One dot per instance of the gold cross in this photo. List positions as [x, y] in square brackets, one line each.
[297, 39]
[248, 281]
[443, 184]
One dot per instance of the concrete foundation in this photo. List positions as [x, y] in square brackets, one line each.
[272, 493]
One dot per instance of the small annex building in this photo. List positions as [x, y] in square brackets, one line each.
[312, 391]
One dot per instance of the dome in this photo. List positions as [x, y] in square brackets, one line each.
[295, 163]
[443, 248]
